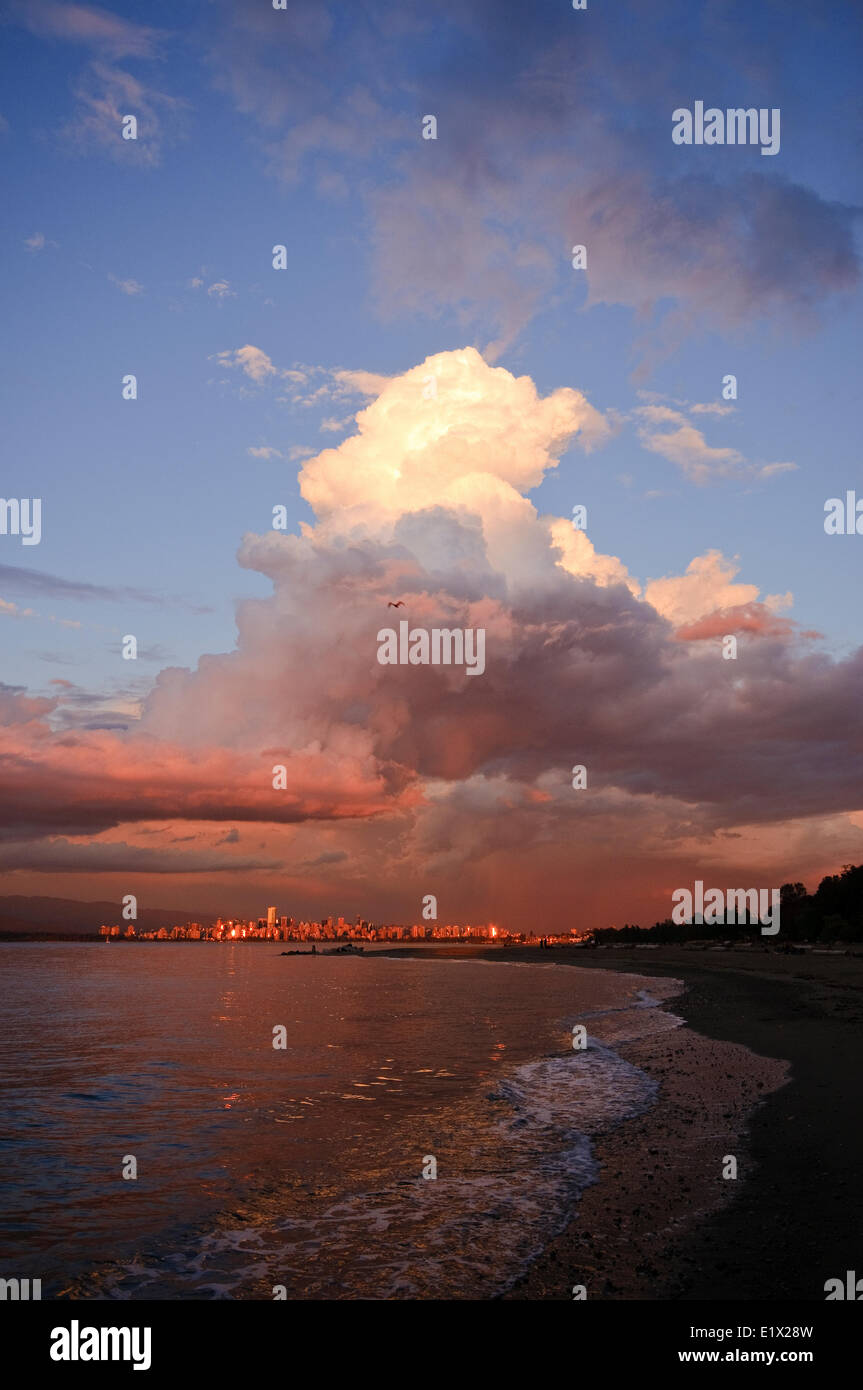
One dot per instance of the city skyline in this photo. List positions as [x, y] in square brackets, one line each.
[329, 928]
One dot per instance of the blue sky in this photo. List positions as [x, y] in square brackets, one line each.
[302, 127]
[156, 494]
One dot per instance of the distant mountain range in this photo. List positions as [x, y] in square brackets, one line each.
[61, 916]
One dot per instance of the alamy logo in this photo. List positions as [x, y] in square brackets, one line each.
[845, 517]
[852, 1288]
[16, 1289]
[441, 647]
[17, 518]
[716, 907]
[735, 126]
[78, 1343]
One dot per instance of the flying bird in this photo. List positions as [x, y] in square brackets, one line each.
[400, 604]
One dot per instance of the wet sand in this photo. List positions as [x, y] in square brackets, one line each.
[662, 1222]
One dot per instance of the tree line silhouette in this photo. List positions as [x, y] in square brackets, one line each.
[832, 914]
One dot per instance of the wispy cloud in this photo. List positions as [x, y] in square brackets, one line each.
[130, 287]
[670, 434]
[300, 383]
[253, 361]
[105, 93]
[334, 425]
[32, 583]
[62, 856]
[264, 451]
[88, 25]
[38, 241]
[11, 610]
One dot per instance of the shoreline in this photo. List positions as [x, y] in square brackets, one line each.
[792, 1218]
[660, 1172]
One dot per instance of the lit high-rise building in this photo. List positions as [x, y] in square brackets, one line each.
[272, 916]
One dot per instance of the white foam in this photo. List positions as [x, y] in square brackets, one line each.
[522, 1154]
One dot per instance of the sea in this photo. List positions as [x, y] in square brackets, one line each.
[424, 1130]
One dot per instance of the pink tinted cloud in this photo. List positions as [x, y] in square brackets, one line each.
[752, 618]
[89, 25]
[422, 774]
[87, 782]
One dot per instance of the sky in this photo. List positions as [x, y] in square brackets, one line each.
[428, 388]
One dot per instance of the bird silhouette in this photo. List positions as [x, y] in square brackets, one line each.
[400, 604]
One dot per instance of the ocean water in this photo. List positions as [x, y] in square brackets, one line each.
[300, 1167]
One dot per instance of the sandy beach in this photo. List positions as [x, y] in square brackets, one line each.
[767, 1070]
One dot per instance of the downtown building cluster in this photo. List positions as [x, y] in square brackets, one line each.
[274, 927]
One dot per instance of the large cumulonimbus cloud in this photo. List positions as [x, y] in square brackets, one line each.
[418, 771]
